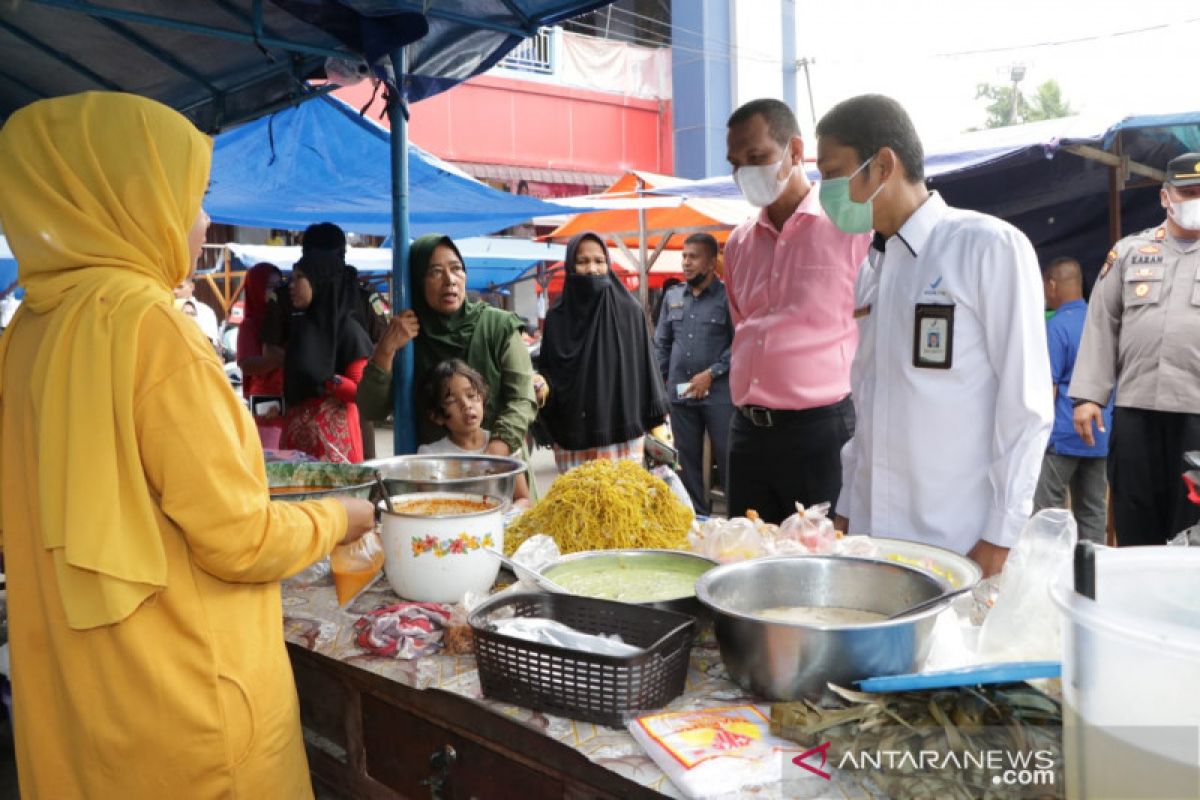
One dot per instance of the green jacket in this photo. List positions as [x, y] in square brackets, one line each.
[511, 406]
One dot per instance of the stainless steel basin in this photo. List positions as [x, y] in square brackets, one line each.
[486, 475]
[780, 660]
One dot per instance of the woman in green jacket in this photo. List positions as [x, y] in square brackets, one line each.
[443, 324]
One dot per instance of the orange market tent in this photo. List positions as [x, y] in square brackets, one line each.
[645, 227]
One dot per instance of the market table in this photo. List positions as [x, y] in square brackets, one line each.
[379, 727]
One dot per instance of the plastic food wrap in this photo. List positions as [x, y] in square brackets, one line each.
[729, 540]
[714, 751]
[553, 632]
[811, 528]
[808, 531]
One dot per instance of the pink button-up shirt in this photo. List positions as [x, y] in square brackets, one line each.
[792, 297]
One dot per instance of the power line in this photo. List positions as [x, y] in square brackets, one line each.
[1062, 42]
[727, 52]
[715, 55]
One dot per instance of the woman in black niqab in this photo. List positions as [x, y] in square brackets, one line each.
[597, 358]
[326, 352]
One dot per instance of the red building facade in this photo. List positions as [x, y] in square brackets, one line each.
[558, 139]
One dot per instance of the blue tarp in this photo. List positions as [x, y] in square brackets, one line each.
[222, 63]
[1022, 174]
[322, 161]
[8, 268]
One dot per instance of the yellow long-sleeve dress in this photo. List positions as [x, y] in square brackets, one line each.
[191, 695]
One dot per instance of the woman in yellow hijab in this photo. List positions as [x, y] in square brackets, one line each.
[142, 550]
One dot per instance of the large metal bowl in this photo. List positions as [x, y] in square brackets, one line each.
[651, 559]
[488, 475]
[958, 570]
[786, 660]
[302, 480]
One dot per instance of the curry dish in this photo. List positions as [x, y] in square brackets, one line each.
[442, 507]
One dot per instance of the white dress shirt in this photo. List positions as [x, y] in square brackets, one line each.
[948, 456]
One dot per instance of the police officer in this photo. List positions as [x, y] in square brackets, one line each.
[692, 343]
[1142, 336]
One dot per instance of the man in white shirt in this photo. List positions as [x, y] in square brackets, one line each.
[950, 377]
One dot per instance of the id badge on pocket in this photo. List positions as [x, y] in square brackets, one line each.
[933, 336]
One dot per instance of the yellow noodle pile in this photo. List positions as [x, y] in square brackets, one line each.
[605, 505]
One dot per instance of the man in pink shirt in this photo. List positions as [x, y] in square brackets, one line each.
[790, 278]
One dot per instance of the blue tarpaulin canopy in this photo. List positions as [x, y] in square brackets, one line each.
[1051, 179]
[322, 161]
[222, 62]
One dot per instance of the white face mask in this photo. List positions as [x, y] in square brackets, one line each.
[1186, 213]
[761, 185]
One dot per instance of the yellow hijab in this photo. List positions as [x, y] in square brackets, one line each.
[100, 190]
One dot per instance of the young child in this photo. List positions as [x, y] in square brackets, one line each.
[457, 395]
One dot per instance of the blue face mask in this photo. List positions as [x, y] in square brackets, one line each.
[849, 216]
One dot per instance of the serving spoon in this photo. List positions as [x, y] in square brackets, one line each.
[522, 571]
[924, 605]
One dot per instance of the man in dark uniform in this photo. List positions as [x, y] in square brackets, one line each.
[1142, 337]
[692, 342]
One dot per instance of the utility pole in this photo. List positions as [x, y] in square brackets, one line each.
[802, 63]
[1016, 73]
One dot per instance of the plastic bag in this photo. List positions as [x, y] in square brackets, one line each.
[1024, 624]
[313, 575]
[553, 632]
[1189, 537]
[809, 527]
[729, 540]
[713, 752]
[675, 484]
[356, 566]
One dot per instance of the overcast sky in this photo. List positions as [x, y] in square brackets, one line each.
[1110, 58]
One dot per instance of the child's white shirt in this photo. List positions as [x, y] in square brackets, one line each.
[445, 447]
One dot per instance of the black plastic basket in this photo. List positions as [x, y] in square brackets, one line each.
[585, 686]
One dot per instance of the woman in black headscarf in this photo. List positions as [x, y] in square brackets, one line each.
[327, 349]
[605, 391]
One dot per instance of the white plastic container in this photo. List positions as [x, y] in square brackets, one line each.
[1131, 675]
[437, 558]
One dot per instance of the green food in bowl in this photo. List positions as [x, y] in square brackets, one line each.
[632, 578]
[299, 480]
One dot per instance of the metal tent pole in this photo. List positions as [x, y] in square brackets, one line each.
[643, 267]
[404, 422]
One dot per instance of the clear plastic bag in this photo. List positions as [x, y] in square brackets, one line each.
[355, 566]
[1189, 537]
[313, 575]
[674, 483]
[810, 528]
[730, 540]
[1024, 624]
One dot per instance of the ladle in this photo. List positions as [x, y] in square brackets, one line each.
[930, 603]
[522, 571]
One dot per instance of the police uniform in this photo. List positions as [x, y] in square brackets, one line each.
[1142, 337]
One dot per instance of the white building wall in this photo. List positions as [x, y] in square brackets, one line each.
[757, 50]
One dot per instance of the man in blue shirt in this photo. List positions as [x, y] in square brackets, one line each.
[692, 342]
[1070, 464]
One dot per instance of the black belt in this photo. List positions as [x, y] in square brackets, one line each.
[760, 416]
[763, 417]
